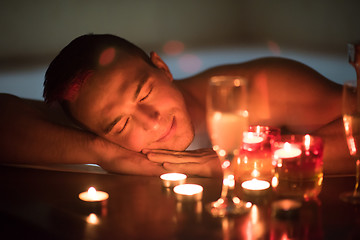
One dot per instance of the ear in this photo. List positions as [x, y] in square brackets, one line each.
[160, 64]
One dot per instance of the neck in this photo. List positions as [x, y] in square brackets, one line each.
[196, 110]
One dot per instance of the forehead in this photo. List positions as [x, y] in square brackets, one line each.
[106, 88]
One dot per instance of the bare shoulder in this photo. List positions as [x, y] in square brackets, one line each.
[279, 74]
[282, 92]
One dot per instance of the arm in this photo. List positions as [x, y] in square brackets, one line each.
[31, 134]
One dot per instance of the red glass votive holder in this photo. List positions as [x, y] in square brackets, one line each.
[298, 166]
[255, 162]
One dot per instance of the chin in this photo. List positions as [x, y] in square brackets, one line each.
[176, 144]
[183, 143]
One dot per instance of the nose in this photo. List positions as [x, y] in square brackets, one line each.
[148, 117]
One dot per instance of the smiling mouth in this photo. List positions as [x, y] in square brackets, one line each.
[169, 132]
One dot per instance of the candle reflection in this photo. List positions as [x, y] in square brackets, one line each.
[253, 226]
[92, 219]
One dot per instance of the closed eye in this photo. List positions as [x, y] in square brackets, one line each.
[147, 95]
[123, 128]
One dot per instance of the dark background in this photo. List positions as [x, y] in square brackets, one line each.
[212, 32]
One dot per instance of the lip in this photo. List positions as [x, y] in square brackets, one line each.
[169, 132]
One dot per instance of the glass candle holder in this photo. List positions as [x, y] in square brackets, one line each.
[299, 166]
[255, 167]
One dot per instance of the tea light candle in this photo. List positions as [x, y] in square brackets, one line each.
[255, 185]
[288, 151]
[93, 196]
[250, 138]
[173, 179]
[188, 192]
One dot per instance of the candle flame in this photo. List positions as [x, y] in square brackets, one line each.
[287, 146]
[255, 173]
[92, 192]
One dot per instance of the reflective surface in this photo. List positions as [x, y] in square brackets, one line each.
[43, 204]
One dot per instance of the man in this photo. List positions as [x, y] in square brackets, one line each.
[125, 112]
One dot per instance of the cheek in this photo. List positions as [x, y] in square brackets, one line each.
[136, 141]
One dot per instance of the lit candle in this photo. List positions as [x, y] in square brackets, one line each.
[251, 138]
[188, 192]
[288, 151]
[255, 185]
[173, 179]
[93, 196]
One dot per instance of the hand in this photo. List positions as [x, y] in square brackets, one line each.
[116, 159]
[200, 162]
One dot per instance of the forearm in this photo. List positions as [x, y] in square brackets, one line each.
[31, 135]
[28, 136]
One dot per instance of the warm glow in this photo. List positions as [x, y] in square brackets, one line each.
[307, 142]
[252, 138]
[248, 205]
[229, 181]
[92, 219]
[222, 153]
[275, 182]
[173, 176]
[236, 200]
[93, 196]
[245, 113]
[288, 151]
[225, 164]
[237, 82]
[218, 203]
[92, 192]
[255, 184]
[173, 179]
[255, 173]
[188, 189]
[254, 214]
[352, 145]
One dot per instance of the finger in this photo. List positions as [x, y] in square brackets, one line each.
[190, 169]
[192, 153]
[160, 158]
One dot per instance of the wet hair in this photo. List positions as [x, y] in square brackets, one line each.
[78, 60]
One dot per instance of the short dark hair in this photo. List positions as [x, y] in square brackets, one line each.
[80, 57]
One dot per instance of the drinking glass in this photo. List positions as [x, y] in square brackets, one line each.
[351, 119]
[227, 120]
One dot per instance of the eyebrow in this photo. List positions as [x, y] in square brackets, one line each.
[140, 85]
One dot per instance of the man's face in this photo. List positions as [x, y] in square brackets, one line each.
[134, 105]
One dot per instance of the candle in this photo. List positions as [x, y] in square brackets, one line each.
[251, 138]
[288, 151]
[173, 179]
[255, 185]
[188, 192]
[93, 196]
